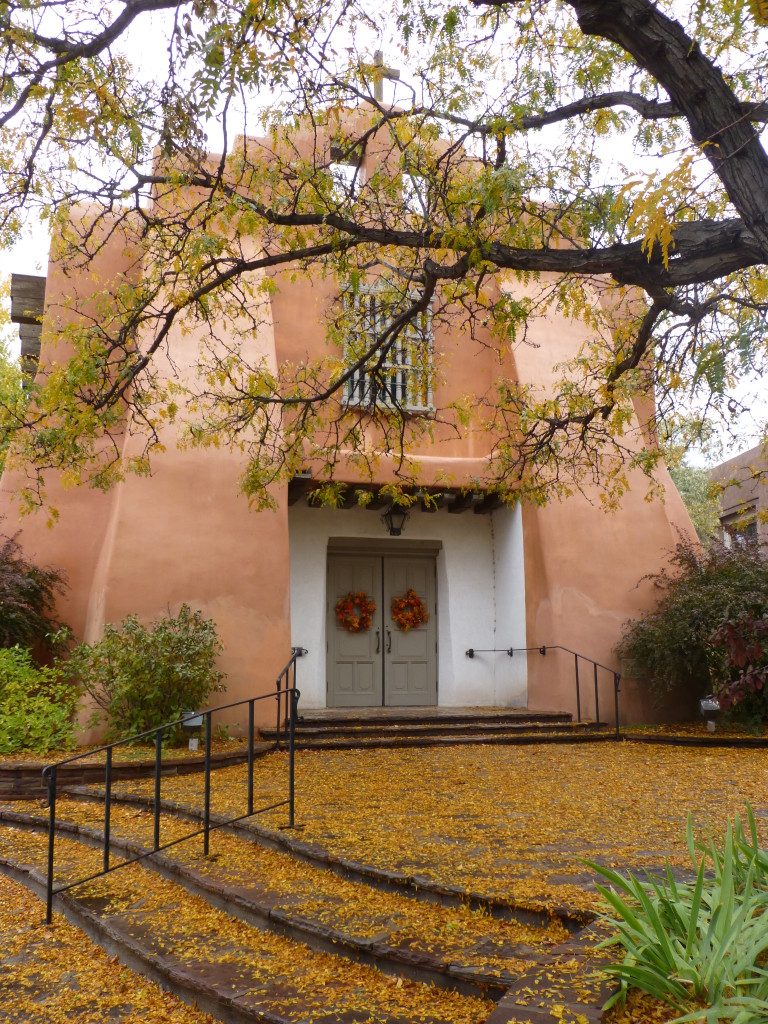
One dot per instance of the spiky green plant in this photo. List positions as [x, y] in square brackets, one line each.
[701, 947]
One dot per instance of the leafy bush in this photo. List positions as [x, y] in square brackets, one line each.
[37, 705]
[699, 947]
[743, 689]
[141, 678]
[27, 600]
[677, 643]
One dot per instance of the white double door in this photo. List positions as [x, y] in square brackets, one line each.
[382, 665]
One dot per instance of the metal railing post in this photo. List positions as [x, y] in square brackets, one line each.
[107, 805]
[158, 765]
[51, 836]
[279, 705]
[616, 681]
[578, 691]
[50, 777]
[597, 699]
[289, 700]
[207, 786]
[250, 757]
[291, 748]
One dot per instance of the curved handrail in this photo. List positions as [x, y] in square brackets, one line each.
[50, 773]
[543, 649]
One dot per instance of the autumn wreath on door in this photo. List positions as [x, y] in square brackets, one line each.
[355, 611]
[409, 611]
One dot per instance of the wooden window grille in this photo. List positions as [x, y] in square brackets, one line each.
[404, 379]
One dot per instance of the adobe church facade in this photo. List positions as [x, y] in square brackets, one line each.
[490, 577]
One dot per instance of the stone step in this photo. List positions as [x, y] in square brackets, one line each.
[424, 716]
[24, 779]
[319, 730]
[228, 967]
[565, 734]
[344, 729]
[457, 947]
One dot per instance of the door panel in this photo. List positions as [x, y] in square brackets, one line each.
[410, 659]
[354, 665]
[382, 665]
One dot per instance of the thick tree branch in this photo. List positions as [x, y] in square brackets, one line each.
[650, 110]
[702, 250]
[68, 50]
[696, 87]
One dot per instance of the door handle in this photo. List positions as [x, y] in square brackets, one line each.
[389, 641]
[378, 641]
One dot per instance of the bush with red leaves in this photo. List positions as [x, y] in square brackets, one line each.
[744, 642]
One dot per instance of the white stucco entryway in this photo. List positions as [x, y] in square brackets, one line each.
[480, 597]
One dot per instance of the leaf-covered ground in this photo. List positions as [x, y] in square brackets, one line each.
[723, 729]
[510, 822]
[505, 821]
[304, 893]
[55, 975]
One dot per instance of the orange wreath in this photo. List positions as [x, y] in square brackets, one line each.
[355, 611]
[409, 611]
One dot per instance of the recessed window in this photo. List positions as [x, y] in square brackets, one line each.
[740, 528]
[347, 173]
[402, 379]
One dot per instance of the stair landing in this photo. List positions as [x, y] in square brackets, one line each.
[428, 715]
[350, 728]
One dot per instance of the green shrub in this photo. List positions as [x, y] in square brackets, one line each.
[27, 600]
[700, 947]
[37, 705]
[743, 689]
[676, 643]
[141, 678]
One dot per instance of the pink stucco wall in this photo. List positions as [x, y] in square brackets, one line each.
[185, 534]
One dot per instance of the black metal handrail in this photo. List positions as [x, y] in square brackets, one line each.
[50, 772]
[511, 651]
[282, 691]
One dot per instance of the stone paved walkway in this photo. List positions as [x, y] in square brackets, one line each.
[506, 827]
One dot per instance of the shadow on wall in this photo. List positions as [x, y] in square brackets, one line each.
[680, 704]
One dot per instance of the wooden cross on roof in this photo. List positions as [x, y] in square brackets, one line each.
[380, 71]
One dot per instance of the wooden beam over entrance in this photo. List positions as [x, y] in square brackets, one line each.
[488, 503]
[300, 487]
[461, 503]
[427, 499]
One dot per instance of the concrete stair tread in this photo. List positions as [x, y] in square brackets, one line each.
[422, 715]
[596, 734]
[449, 946]
[231, 968]
[428, 728]
[345, 729]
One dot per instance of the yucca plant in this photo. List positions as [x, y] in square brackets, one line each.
[700, 947]
[746, 851]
